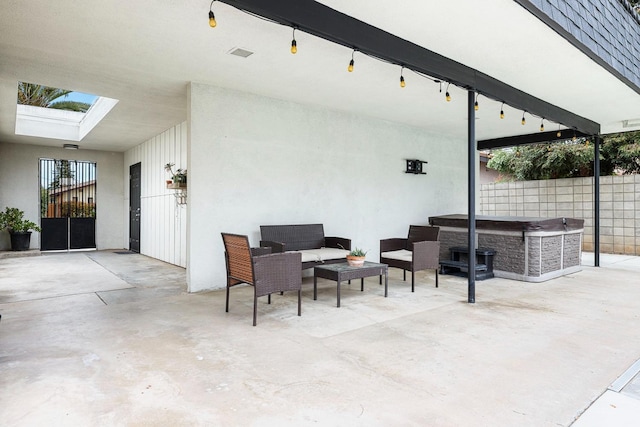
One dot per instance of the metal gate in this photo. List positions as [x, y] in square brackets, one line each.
[67, 204]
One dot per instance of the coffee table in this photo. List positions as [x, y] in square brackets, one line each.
[343, 271]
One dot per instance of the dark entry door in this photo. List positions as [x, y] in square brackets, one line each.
[67, 204]
[134, 207]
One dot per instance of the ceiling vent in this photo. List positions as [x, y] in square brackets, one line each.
[243, 53]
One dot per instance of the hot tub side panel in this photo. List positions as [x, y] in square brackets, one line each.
[450, 238]
[551, 254]
[572, 250]
[510, 251]
[535, 257]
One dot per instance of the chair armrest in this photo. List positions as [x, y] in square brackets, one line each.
[338, 243]
[393, 244]
[275, 246]
[426, 254]
[277, 272]
[261, 251]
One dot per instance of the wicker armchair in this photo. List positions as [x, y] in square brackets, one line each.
[266, 273]
[419, 251]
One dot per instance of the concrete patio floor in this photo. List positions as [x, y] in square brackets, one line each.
[100, 338]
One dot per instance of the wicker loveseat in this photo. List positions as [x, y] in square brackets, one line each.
[309, 240]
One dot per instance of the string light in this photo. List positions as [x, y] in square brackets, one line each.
[212, 17]
[294, 45]
[476, 106]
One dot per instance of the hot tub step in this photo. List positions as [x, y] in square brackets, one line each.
[460, 268]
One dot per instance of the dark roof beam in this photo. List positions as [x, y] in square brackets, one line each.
[532, 138]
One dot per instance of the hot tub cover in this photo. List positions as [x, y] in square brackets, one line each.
[509, 223]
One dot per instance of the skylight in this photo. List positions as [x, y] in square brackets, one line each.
[58, 113]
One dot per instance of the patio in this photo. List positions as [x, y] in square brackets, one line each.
[101, 338]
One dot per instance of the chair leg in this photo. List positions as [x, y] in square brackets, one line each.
[404, 275]
[381, 279]
[299, 302]
[255, 308]
[269, 299]
[227, 305]
[436, 277]
[412, 280]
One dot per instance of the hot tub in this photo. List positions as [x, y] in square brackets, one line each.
[528, 249]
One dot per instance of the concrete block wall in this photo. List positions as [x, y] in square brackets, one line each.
[573, 197]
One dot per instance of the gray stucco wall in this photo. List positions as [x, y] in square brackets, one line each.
[255, 160]
[19, 188]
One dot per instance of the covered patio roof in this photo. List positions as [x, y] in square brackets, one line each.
[145, 53]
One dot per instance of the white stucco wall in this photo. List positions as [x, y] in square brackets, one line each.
[163, 222]
[256, 160]
[19, 188]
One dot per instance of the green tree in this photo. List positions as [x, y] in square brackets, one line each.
[621, 152]
[62, 169]
[48, 97]
[44, 201]
[569, 159]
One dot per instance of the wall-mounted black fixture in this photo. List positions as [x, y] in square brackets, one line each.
[415, 167]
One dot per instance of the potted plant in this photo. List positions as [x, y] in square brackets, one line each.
[178, 178]
[356, 257]
[12, 219]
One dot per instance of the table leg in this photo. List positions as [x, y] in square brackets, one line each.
[338, 293]
[315, 287]
[386, 281]
[362, 285]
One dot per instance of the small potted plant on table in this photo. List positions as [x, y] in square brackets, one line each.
[356, 257]
[12, 219]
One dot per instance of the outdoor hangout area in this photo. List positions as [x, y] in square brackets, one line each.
[130, 344]
[519, 248]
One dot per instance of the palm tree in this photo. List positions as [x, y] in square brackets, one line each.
[45, 96]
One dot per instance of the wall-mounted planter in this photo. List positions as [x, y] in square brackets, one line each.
[176, 185]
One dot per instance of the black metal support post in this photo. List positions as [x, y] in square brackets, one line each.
[596, 201]
[471, 134]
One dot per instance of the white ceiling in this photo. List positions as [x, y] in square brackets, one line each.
[144, 53]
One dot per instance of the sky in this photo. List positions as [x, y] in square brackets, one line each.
[80, 97]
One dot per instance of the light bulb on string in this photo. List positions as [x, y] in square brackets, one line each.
[446, 95]
[523, 121]
[351, 63]
[502, 111]
[294, 45]
[574, 136]
[542, 125]
[475, 104]
[402, 83]
[212, 17]
[559, 134]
